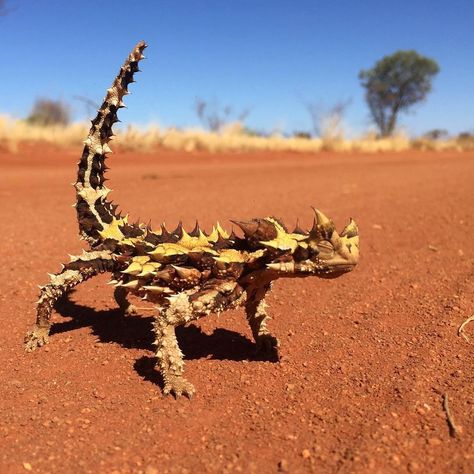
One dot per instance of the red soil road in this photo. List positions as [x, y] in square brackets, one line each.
[366, 359]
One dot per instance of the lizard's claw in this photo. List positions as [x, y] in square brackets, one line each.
[131, 310]
[37, 337]
[178, 386]
[267, 346]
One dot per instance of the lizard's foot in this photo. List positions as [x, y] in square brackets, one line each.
[37, 337]
[178, 386]
[130, 310]
[267, 346]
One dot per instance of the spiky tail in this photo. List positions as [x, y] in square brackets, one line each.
[95, 213]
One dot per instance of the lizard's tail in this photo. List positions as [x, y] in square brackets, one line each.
[95, 214]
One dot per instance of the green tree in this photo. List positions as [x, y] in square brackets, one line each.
[49, 112]
[394, 84]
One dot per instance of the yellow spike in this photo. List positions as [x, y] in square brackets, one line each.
[167, 250]
[222, 231]
[141, 259]
[191, 242]
[112, 231]
[133, 269]
[133, 284]
[187, 273]
[285, 267]
[214, 235]
[320, 217]
[231, 256]
[149, 269]
[158, 289]
[204, 250]
[351, 229]
[106, 149]
[283, 240]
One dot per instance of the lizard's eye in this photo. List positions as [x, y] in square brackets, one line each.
[326, 249]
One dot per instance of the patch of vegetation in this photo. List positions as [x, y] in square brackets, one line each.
[47, 112]
[395, 84]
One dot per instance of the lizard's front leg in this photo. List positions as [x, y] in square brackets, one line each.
[182, 309]
[79, 269]
[257, 317]
[170, 360]
[168, 354]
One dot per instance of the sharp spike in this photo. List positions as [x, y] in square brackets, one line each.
[249, 228]
[131, 284]
[323, 227]
[196, 231]
[321, 218]
[179, 230]
[106, 149]
[164, 275]
[159, 289]
[350, 230]
[284, 267]
[187, 273]
[298, 229]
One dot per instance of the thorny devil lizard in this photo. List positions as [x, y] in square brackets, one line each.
[185, 275]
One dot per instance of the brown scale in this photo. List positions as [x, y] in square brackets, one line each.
[227, 270]
[201, 260]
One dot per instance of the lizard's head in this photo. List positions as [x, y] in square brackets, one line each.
[322, 251]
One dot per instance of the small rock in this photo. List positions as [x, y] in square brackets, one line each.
[283, 466]
[413, 466]
[27, 466]
[306, 453]
[98, 395]
[434, 441]
[151, 470]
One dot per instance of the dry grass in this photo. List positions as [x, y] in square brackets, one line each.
[13, 133]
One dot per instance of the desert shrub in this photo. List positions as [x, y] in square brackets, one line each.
[302, 134]
[327, 122]
[436, 134]
[47, 112]
[465, 140]
[215, 117]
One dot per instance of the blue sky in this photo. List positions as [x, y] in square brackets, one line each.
[269, 55]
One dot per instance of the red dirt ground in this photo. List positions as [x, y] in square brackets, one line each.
[366, 359]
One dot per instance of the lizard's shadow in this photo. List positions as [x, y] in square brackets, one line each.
[136, 332]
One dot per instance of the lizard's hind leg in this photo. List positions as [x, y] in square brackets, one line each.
[78, 270]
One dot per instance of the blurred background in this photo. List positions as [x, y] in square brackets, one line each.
[248, 69]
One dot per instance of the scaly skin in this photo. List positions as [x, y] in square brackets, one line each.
[185, 275]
